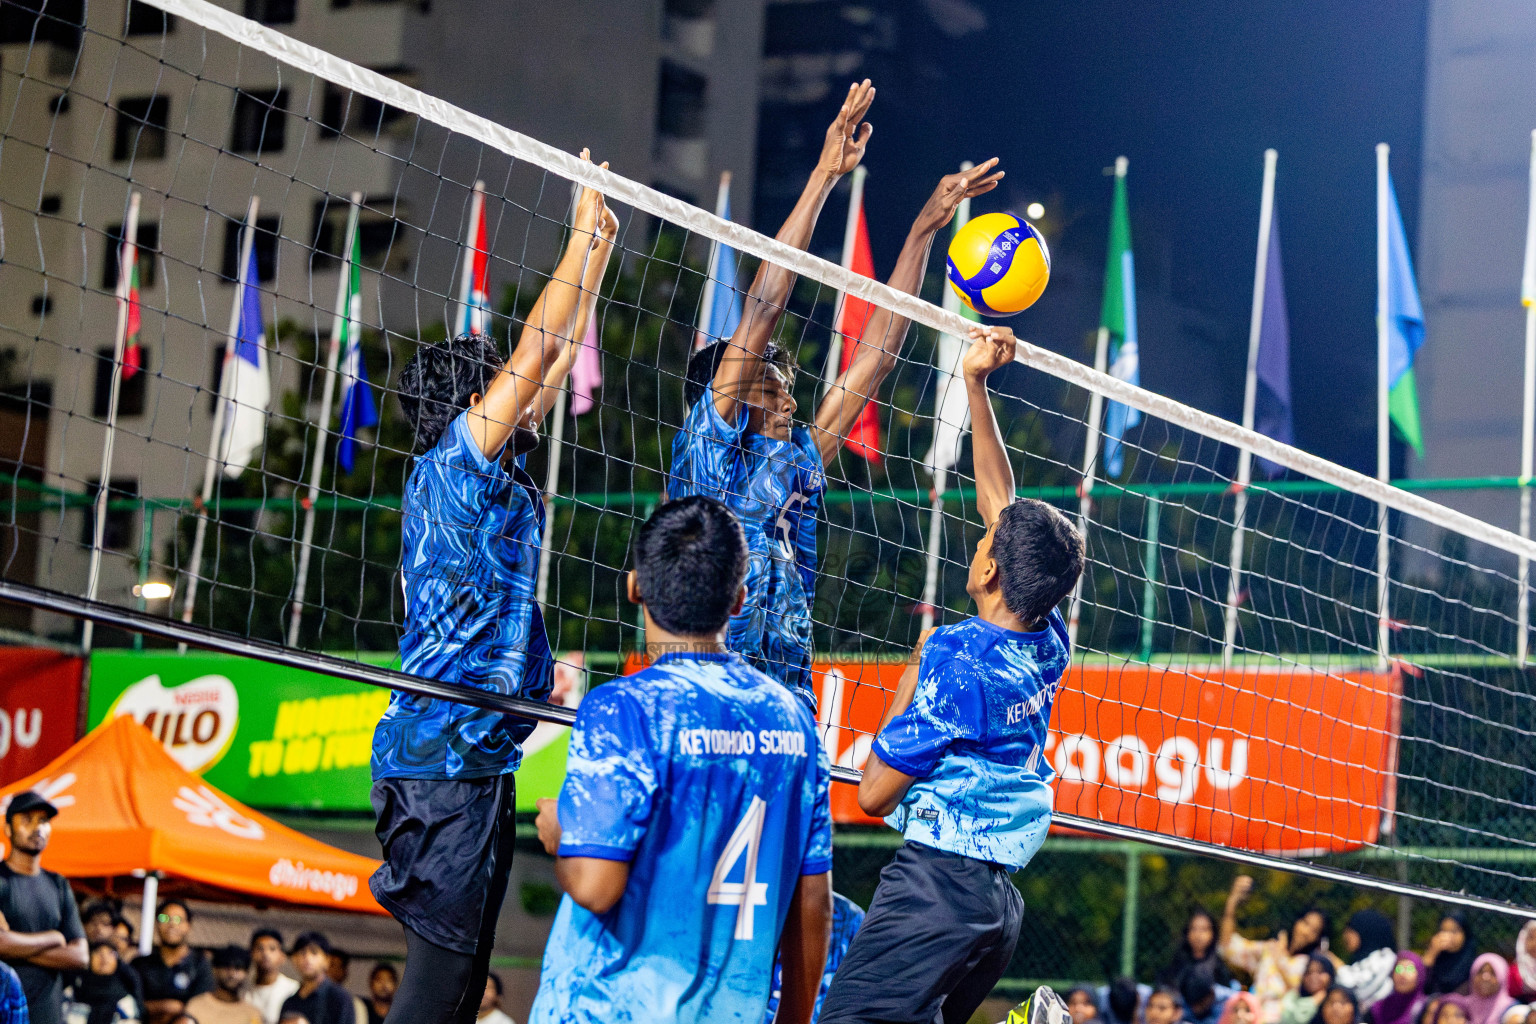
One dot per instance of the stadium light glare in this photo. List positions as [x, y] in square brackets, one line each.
[1035, 211]
[152, 591]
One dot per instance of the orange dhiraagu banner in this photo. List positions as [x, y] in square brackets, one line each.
[1282, 760]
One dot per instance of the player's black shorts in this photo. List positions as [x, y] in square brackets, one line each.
[938, 935]
[447, 854]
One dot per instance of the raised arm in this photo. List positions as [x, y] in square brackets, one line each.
[591, 286]
[991, 347]
[803, 949]
[841, 153]
[882, 788]
[547, 329]
[886, 331]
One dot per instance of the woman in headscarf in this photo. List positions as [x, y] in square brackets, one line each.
[1300, 1004]
[1449, 955]
[1522, 973]
[1339, 1006]
[1368, 940]
[1488, 999]
[1241, 1008]
[1276, 964]
[1403, 1003]
[1198, 949]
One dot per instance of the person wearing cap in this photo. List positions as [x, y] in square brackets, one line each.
[319, 999]
[40, 932]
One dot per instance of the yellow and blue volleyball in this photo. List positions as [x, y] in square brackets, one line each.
[998, 264]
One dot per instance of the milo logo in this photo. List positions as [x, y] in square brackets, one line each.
[195, 721]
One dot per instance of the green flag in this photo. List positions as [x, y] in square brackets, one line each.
[1119, 317]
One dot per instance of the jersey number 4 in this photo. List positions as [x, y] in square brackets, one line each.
[748, 892]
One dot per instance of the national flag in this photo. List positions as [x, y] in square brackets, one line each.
[1272, 398]
[1118, 316]
[586, 371]
[128, 294]
[864, 436]
[951, 406]
[720, 308]
[474, 288]
[248, 387]
[357, 405]
[1405, 330]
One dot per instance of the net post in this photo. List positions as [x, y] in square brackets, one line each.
[146, 544]
[1085, 489]
[1528, 420]
[339, 324]
[935, 538]
[1132, 911]
[1383, 426]
[1149, 559]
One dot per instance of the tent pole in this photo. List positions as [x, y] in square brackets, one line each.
[147, 914]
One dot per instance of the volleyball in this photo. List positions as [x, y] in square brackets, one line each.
[998, 264]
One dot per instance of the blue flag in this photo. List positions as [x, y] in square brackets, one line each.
[721, 312]
[1405, 331]
[357, 405]
[1272, 401]
[248, 389]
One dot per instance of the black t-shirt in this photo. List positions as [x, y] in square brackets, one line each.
[39, 903]
[329, 1003]
[191, 976]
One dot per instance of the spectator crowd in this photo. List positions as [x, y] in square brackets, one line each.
[1297, 976]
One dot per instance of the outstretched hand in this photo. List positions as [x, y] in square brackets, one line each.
[849, 132]
[940, 208]
[591, 211]
[991, 347]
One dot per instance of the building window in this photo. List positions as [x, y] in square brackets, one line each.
[42, 305]
[149, 249]
[130, 395]
[260, 121]
[378, 234]
[140, 132]
[265, 244]
[272, 12]
[144, 20]
[680, 102]
[119, 533]
[345, 112]
[51, 205]
[46, 21]
[59, 105]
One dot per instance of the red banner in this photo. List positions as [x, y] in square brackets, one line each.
[1282, 760]
[39, 708]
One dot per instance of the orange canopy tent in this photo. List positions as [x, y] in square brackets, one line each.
[126, 809]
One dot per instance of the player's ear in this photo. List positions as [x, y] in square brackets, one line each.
[475, 399]
[740, 602]
[989, 572]
[632, 587]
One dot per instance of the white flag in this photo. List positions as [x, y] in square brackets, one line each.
[951, 408]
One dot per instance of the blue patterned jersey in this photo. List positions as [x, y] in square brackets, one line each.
[707, 777]
[775, 489]
[847, 916]
[974, 736]
[469, 567]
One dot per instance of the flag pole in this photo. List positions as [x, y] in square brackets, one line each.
[1528, 426]
[707, 300]
[127, 246]
[467, 276]
[940, 469]
[327, 391]
[1090, 456]
[1383, 424]
[834, 366]
[217, 445]
[1250, 399]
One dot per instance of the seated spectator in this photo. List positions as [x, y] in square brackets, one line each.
[1520, 1014]
[1430, 1011]
[99, 996]
[270, 987]
[383, 982]
[1082, 1006]
[174, 972]
[1372, 953]
[1196, 949]
[100, 920]
[1489, 999]
[319, 1000]
[490, 1003]
[1242, 1008]
[226, 1004]
[338, 967]
[1406, 1001]
[1277, 964]
[1522, 973]
[1202, 1002]
[125, 941]
[1449, 955]
[1339, 1006]
[1120, 1003]
[1164, 1006]
[1300, 1005]
[1453, 1010]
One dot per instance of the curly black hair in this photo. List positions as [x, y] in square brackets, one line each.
[705, 363]
[437, 383]
[1039, 556]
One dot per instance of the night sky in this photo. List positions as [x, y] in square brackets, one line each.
[1192, 92]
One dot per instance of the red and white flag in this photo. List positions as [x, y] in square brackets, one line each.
[864, 435]
[128, 294]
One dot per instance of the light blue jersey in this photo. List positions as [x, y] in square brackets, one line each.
[707, 777]
[775, 489]
[974, 736]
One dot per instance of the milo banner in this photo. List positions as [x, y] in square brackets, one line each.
[276, 737]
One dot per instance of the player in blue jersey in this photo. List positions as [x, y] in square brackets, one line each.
[847, 916]
[472, 521]
[739, 442]
[693, 831]
[958, 764]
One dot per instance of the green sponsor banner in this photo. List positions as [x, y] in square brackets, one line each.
[275, 737]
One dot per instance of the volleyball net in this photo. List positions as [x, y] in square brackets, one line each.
[221, 245]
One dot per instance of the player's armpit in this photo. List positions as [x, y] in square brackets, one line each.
[882, 788]
[594, 883]
[803, 949]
